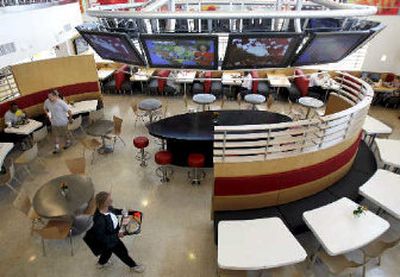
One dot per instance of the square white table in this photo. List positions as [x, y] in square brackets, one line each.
[383, 189]
[373, 127]
[26, 129]
[185, 77]
[5, 148]
[278, 81]
[142, 76]
[257, 244]
[231, 78]
[83, 106]
[339, 231]
[104, 73]
[389, 151]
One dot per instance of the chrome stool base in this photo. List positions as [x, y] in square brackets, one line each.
[196, 175]
[164, 172]
[142, 156]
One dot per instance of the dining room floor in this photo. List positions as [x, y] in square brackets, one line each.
[177, 235]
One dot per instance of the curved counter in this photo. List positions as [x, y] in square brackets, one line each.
[274, 164]
[194, 132]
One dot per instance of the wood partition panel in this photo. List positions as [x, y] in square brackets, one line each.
[337, 103]
[47, 74]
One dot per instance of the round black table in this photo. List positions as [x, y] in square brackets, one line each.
[194, 132]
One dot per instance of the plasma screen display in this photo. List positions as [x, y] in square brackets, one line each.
[260, 51]
[113, 46]
[174, 51]
[329, 47]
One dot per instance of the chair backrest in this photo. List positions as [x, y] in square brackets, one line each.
[76, 123]
[40, 134]
[254, 85]
[85, 143]
[134, 107]
[162, 82]
[207, 82]
[117, 125]
[76, 166]
[28, 155]
[96, 115]
[22, 202]
[390, 77]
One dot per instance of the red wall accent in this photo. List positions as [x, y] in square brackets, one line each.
[225, 186]
[40, 96]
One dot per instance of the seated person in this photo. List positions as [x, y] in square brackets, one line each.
[371, 78]
[14, 115]
[172, 87]
[315, 86]
[247, 84]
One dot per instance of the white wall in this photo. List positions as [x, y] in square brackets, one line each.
[386, 43]
[37, 30]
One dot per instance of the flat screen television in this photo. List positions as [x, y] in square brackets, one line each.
[329, 47]
[181, 51]
[260, 50]
[81, 46]
[113, 46]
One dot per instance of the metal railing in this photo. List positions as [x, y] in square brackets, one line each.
[8, 87]
[248, 143]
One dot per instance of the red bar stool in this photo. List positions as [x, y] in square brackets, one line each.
[196, 161]
[163, 158]
[141, 143]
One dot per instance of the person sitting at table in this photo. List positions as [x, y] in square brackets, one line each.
[315, 85]
[172, 87]
[247, 84]
[59, 115]
[14, 115]
[106, 231]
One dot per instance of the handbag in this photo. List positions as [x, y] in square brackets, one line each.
[91, 241]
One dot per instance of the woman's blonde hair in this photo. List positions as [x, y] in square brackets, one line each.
[101, 198]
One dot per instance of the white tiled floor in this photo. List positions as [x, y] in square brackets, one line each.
[177, 237]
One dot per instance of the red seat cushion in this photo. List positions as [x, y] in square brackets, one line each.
[196, 160]
[389, 78]
[163, 157]
[140, 142]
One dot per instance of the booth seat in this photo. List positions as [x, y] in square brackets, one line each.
[157, 86]
[209, 86]
[121, 77]
[260, 87]
[32, 104]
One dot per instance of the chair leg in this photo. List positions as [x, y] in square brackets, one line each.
[364, 268]
[11, 188]
[122, 140]
[379, 260]
[70, 242]
[43, 248]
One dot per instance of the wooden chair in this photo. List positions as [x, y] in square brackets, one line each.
[24, 204]
[91, 208]
[76, 166]
[55, 230]
[376, 249]
[188, 108]
[139, 115]
[116, 134]
[90, 144]
[293, 113]
[40, 134]
[268, 104]
[339, 265]
[96, 115]
[219, 104]
[27, 157]
[7, 178]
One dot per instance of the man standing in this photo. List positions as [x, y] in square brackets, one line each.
[59, 115]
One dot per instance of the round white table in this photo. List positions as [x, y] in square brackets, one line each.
[149, 106]
[310, 102]
[204, 99]
[254, 99]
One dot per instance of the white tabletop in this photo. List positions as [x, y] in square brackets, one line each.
[257, 244]
[141, 76]
[204, 98]
[310, 102]
[389, 151]
[83, 107]
[279, 81]
[339, 231]
[232, 79]
[373, 126]
[5, 148]
[253, 98]
[383, 189]
[26, 129]
[185, 76]
[104, 73]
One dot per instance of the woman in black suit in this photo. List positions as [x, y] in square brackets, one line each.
[106, 231]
